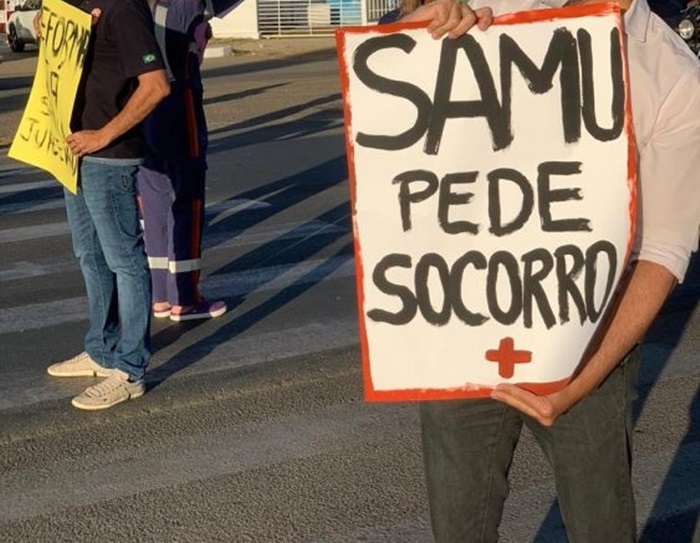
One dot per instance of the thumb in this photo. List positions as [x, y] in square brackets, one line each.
[95, 15]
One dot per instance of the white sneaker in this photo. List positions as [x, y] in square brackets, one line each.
[115, 389]
[79, 366]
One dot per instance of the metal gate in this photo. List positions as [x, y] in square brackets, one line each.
[317, 17]
[377, 8]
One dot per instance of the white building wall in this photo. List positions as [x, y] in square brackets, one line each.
[241, 22]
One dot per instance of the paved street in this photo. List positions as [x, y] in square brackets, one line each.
[253, 427]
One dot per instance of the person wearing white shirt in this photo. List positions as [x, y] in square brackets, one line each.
[584, 429]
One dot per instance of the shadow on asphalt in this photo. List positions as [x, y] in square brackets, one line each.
[16, 82]
[314, 122]
[25, 200]
[247, 66]
[194, 353]
[287, 112]
[239, 95]
[251, 66]
[17, 101]
[279, 196]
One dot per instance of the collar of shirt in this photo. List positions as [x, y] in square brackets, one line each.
[637, 20]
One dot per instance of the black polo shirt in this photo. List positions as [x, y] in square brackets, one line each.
[122, 47]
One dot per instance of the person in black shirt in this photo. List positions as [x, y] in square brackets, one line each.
[123, 80]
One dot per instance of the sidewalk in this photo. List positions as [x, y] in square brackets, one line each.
[274, 47]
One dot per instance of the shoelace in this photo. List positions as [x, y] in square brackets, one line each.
[78, 358]
[105, 387]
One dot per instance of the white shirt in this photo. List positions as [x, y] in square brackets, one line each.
[665, 96]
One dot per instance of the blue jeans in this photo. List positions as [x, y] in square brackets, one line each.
[468, 447]
[107, 239]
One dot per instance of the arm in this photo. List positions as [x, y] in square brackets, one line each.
[454, 18]
[152, 88]
[670, 210]
[639, 302]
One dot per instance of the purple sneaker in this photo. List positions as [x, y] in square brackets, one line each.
[203, 310]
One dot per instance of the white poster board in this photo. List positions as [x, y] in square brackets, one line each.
[494, 193]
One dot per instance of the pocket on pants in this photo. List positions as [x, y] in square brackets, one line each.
[124, 202]
[127, 179]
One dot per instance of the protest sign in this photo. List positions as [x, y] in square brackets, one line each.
[41, 137]
[493, 190]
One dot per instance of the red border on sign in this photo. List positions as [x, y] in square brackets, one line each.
[472, 391]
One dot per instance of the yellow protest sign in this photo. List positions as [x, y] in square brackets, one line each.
[41, 137]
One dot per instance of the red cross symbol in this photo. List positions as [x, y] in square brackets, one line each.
[507, 357]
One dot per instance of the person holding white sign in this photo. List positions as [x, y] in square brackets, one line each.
[584, 428]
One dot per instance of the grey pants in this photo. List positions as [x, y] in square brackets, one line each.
[468, 447]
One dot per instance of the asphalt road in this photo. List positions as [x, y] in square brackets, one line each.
[254, 428]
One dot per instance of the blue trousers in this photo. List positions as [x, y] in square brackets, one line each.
[468, 448]
[171, 186]
[172, 203]
[104, 221]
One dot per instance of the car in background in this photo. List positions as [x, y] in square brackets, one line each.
[20, 25]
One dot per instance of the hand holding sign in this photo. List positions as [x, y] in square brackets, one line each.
[544, 409]
[450, 17]
[95, 14]
[87, 141]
